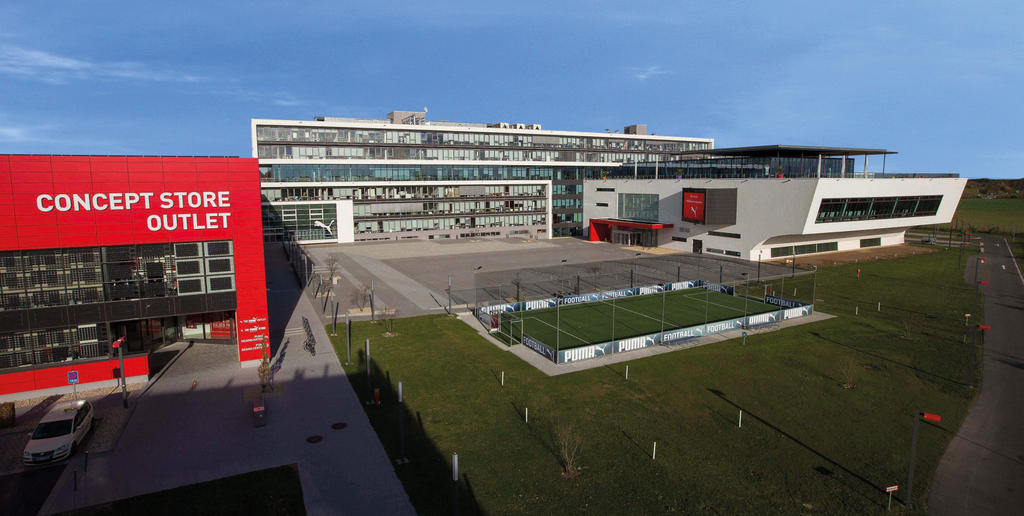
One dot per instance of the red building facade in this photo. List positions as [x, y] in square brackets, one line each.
[157, 249]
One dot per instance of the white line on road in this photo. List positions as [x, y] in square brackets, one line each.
[1014, 259]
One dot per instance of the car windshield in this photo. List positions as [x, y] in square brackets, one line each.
[52, 429]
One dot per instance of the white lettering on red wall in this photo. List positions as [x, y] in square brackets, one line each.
[125, 201]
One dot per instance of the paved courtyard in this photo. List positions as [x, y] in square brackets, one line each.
[195, 424]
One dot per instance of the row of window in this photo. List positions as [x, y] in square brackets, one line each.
[824, 247]
[59, 277]
[748, 167]
[446, 208]
[449, 223]
[871, 208]
[327, 193]
[435, 137]
[265, 151]
[327, 172]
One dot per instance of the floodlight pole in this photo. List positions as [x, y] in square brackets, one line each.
[744, 299]
[663, 290]
[814, 284]
[613, 318]
[558, 327]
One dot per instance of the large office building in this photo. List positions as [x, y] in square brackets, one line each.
[348, 179]
[767, 202]
[153, 249]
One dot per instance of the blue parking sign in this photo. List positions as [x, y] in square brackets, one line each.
[72, 377]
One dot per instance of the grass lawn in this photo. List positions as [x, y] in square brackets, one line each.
[268, 491]
[807, 444]
[590, 323]
[992, 215]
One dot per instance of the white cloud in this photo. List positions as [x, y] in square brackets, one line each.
[647, 72]
[54, 69]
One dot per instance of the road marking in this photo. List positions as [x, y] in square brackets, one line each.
[1014, 259]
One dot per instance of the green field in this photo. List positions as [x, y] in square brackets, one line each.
[589, 323]
[808, 445]
[991, 215]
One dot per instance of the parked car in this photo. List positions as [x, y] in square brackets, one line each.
[59, 432]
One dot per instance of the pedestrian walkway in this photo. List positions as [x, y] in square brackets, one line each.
[982, 470]
[195, 424]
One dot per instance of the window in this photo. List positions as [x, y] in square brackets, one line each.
[640, 207]
[722, 234]
[870, 242]
[605, 189]
[602, 204]
[679, 239]
[873, 208]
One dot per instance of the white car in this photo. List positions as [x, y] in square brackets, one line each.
[59, 432]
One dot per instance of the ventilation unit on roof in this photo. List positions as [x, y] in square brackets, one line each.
[520, 126]
[534, 127]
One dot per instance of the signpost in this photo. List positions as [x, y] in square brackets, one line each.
[891, 490]
[73, 381]
[118, 345]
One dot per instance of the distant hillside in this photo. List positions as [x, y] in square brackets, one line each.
[994, 189]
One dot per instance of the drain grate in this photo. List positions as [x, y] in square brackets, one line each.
[339, 426]
[314, 439]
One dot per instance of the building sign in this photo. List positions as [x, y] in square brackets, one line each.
[693, 205]
[148, 201]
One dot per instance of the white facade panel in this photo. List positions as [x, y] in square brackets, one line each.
[775, 212]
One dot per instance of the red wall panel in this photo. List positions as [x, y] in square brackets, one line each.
[51, 377]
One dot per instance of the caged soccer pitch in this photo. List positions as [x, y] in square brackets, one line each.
[583, 324]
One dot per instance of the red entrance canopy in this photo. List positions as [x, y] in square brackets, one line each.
[630, 224]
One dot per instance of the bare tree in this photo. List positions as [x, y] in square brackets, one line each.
[264, 369]
[390, 314]
[360, 296]
[332, 266]
[908, 326]
[570, 442]
[847, 369]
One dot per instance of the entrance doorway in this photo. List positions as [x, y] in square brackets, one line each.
[640, 237]
[698, 246]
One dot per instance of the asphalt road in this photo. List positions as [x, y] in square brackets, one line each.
[982, 471]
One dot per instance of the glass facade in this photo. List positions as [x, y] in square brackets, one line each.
[49, 279]
[444, 141]
[872, 208]
[726, 168]
[638, 207]
[60, 277]
[790, 250]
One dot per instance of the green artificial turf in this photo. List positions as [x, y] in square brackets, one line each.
[268, 491]
[590, 323]
[807, 445]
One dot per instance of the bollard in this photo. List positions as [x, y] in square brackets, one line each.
[627, 372]
[740, 425]
[503, 378]
[526, 415]
[455, 484]
[856, 310]
[654, 452]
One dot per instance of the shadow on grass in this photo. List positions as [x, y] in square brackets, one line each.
[891, 361]
[424, 470]
[820, 469]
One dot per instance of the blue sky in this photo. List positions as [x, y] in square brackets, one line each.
[939, 82]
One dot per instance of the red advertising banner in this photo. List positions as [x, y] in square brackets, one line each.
[693, 206]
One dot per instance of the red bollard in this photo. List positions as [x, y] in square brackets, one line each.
[858, 273]
[376, 395]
